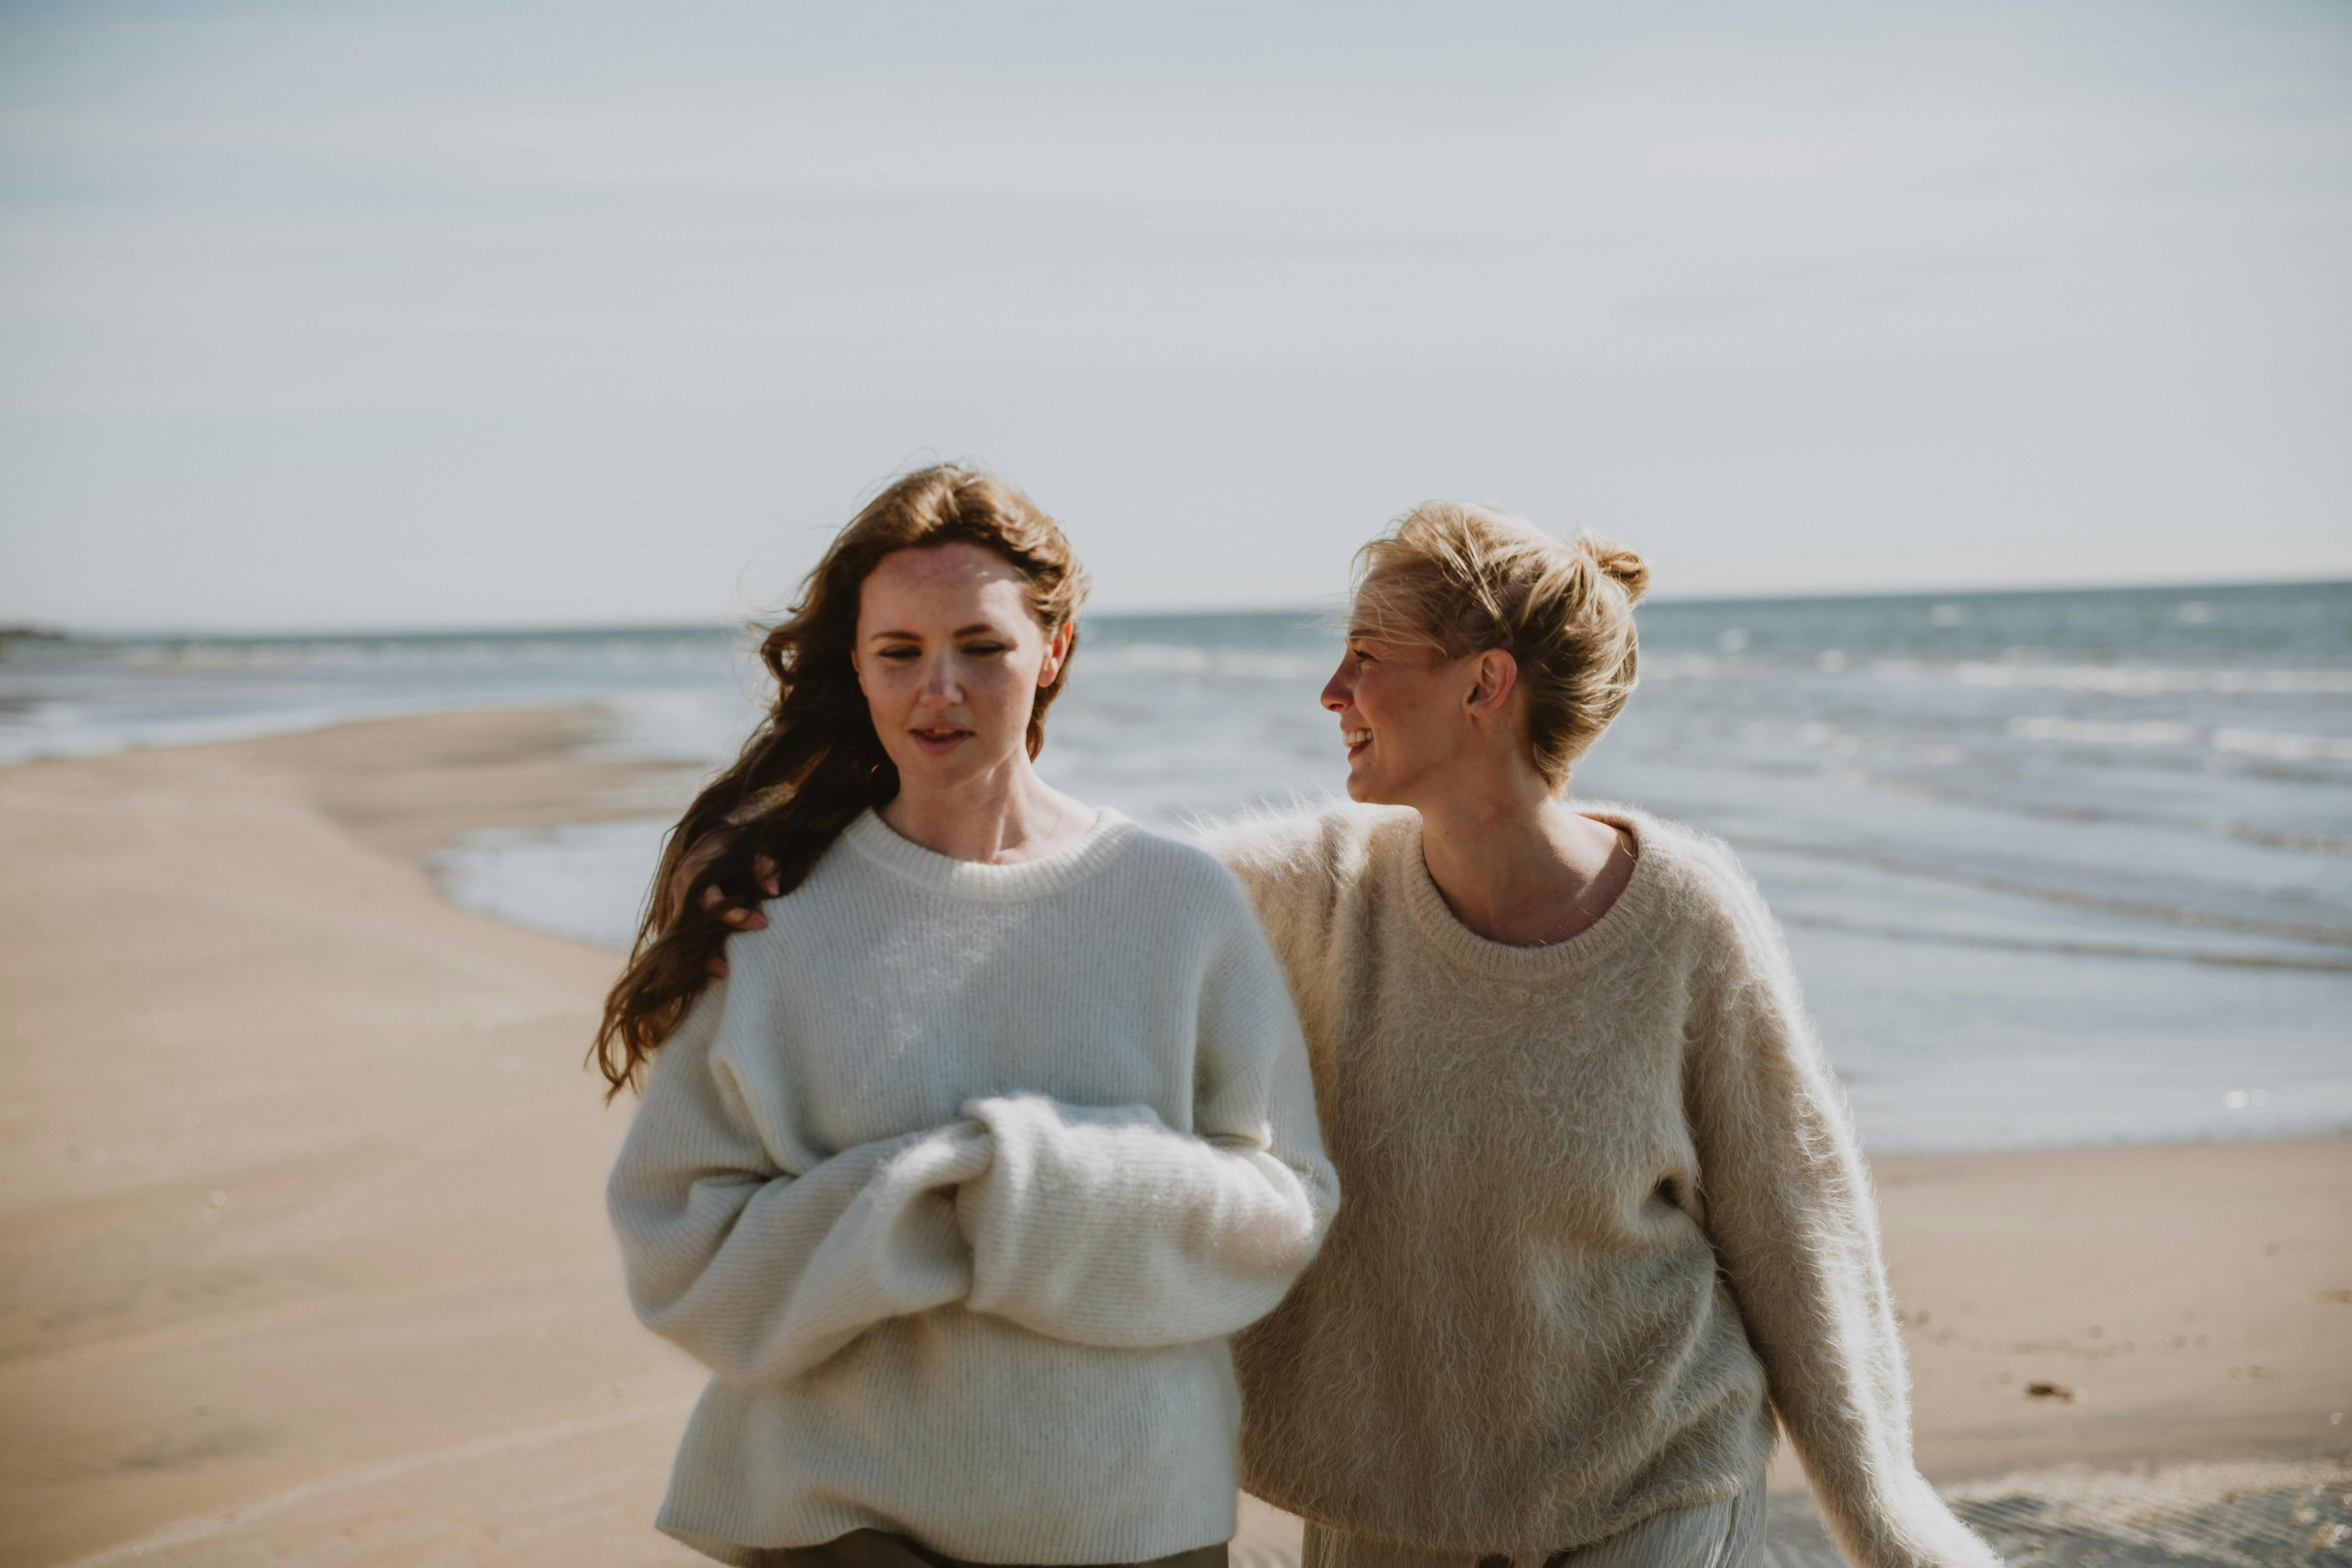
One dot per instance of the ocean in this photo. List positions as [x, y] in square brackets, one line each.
[2056, 869]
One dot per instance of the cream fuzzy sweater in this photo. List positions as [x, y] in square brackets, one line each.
[1605, 1217]
[959, 1184]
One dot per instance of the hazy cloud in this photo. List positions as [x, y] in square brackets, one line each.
[392, 314]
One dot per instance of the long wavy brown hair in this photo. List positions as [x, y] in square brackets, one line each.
[815, 761]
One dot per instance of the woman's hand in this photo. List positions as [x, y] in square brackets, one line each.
[698, 859]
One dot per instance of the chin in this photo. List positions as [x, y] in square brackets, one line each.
[964, 764]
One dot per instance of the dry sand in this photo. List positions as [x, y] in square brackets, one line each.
[302, 1256]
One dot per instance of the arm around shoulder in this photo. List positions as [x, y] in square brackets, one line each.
[1296, 866]
[1299, 870]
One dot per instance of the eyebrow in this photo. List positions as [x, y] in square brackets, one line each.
[976, 629]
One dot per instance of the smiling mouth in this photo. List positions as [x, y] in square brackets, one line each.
[1355, 741]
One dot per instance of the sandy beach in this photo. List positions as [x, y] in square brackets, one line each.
[304, 1258]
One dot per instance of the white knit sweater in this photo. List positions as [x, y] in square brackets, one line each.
[958, 1184]
[1605, 1217]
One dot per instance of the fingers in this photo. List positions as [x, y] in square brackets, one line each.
[692, 865]
[763, 869]
[714, 902]
[718, 967]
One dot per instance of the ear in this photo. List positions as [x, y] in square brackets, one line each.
[1057, 654]
[1495, 675]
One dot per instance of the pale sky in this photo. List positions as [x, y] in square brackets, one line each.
[320, 314]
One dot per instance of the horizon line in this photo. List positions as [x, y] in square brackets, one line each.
[33, 628]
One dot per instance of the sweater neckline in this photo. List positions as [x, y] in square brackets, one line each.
[1428, 909]
[980, 882]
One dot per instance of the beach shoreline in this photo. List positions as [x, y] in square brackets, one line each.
[302, 1210]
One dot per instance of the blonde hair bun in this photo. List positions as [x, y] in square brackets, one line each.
[1632, 572]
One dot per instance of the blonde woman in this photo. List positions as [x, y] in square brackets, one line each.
[989, 1124]
[1605, 1217]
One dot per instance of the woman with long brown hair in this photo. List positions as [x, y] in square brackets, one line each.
[962, 1151]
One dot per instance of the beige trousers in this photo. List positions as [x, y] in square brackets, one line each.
[1718, 1535]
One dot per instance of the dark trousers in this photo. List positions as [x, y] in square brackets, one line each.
[880, 1548]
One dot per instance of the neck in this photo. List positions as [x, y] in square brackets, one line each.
[1000, 817]
[1515, 863]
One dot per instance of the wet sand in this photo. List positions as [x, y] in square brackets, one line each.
[302, 1255]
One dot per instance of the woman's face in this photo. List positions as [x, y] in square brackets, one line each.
[1403, 716]
[950, 661]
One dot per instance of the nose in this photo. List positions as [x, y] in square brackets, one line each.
[941, 687]
[1339, 691]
